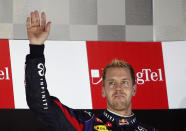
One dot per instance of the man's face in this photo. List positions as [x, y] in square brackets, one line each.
[118, 89]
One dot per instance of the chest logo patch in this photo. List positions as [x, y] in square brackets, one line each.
[101, 128]
[123, 122]
[98, 120]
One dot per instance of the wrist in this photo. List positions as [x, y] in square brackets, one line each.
[37, 42]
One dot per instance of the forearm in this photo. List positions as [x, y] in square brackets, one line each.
[36, 87]
[38, 98]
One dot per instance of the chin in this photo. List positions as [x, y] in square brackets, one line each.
[120, 106]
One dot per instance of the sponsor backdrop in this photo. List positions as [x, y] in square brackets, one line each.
[74, 71]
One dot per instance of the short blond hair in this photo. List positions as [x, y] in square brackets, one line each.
[119, 64]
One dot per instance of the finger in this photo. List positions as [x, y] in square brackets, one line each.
[43, 20]
[32, 18]
[37, 18]
[28, 22]
[47, 28]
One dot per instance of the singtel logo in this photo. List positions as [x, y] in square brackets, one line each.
[149, 76]
[4, 73]
[143, 76]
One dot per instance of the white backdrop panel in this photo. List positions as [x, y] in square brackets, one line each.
[174, 54]
[67, 72]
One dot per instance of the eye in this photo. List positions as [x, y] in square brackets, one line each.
[111, 83]
[124, 82]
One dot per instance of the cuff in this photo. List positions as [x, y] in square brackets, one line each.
[36, 50]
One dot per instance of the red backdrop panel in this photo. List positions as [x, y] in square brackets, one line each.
[147, 60]
[6, 88]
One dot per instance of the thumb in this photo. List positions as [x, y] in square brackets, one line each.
[47, 28]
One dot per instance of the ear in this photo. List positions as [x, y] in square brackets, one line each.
[134, 89]
[103, 91]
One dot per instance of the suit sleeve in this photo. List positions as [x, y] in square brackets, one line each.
[46, 108]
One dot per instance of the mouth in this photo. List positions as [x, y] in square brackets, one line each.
[118, 95]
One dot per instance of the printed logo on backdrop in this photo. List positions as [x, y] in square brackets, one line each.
[6, 88]
[147, 60]
[4, 73]
[146, 75]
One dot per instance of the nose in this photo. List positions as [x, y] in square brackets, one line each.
[118, 86]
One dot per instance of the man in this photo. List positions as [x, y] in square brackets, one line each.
[118, 87]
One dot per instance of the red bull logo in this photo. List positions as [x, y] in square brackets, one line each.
[123, 122]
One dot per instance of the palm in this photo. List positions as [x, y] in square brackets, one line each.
[37, 34]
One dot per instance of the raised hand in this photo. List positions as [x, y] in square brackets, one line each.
[37, 33]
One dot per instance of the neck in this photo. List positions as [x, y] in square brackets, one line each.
[124, 112]
[120, 114]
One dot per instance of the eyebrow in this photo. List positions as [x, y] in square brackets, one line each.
[114, 79]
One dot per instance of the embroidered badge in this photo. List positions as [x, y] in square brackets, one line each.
[123, 122]
[98, 120]
[101, 128]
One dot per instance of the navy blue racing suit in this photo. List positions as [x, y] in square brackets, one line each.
[58, 117]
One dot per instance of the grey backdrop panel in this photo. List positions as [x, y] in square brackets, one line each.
[108, 20]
